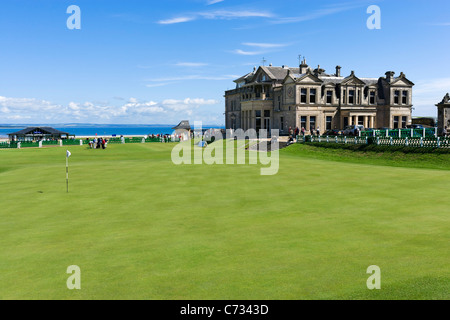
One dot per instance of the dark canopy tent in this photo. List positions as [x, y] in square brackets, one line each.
[183, 130]
[38, 133]
[183, 125]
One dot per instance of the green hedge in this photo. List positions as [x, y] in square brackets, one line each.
[29, 144]
[71, 142]
[50, 143]
[377, 148]
[133, 140]
[6, 145]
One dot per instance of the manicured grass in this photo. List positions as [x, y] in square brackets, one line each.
[140, 227]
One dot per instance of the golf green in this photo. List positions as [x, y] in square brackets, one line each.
[140, 227]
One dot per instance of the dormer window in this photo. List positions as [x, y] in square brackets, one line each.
[405, 97]
[303, 94]
[351, 96]
[329, 97]
[372, 97]
[396, 97]
[312, 96]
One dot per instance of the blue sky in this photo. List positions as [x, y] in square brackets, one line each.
[158, 62]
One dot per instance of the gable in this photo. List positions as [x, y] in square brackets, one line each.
[353, 81]
[402, 82]
[310, 79]
[261, 75]
[288, 79]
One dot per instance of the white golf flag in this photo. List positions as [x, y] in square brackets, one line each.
[68, 153]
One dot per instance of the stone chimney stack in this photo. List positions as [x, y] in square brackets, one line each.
[338, 71]
[390, 76]
[303, 67]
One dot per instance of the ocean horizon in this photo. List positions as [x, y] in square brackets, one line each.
[100, 129]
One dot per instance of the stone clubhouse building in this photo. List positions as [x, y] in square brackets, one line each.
[282, 97]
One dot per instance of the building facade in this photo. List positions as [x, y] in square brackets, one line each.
[282, 97]
[444, 114]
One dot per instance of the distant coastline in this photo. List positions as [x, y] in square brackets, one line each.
[107, 130]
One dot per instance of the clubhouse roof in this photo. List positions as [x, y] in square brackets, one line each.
[38, 133]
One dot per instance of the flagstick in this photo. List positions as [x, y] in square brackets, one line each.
[67, 173]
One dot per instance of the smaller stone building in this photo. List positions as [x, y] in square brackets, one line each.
[444, 114]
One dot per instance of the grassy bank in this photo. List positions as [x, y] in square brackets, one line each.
[372, 155]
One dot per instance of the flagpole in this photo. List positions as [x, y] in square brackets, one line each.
[67, 172]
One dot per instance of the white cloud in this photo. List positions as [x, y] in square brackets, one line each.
[176, 20]
[191, 64]
[210, 2]
[247, 53]
[157, 85]
[219, 15]
[329, 10]
[234, 14]
[427, 93]
[131, 111]
[195, 77]
[265, 45]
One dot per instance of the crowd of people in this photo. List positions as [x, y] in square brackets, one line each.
[98, 143]
[294, 133]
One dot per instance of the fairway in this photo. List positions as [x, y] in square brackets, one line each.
[140, 227]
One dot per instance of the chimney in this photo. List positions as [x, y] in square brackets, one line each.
[338, 71]
[390, 76]
[303, 67]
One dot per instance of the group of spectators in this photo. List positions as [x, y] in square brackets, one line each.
[294, 133]
[97, 143]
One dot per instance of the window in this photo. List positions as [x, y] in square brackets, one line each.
[405, 97]
[312, 122]
[351, 96]
[345, 122]
[312, 96]
[404, 122]
[258, 124]
[344, 96]
[329, 120]
[329, 97]
[372, 97]
[279, 103]
[282, 124]
[396, 122]
[303, 93]
[396, 96]
[361, 120]
[267, 113]
[258, 120]
[303, 122]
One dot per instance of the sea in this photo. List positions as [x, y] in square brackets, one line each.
[101, 129]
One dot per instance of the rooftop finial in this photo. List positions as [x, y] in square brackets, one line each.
[264, 61]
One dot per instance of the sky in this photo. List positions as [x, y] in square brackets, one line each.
[159, 62]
